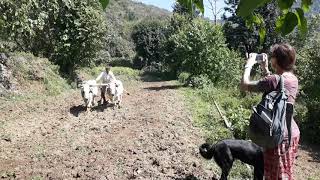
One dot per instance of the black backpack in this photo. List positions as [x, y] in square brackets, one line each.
[271, 117]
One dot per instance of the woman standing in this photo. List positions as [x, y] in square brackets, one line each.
[279, 161]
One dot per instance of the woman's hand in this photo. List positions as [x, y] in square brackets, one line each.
[264, 64]
[251, 60]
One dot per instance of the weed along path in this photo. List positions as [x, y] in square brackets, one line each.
[151, 137]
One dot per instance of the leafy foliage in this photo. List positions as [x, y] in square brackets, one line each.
[122, 16]
[286, 22]
[200, 81]
[68, 32]
[183, 10]
[104, 3]
[246, 8]
[184, 78]
[147, 37]
[244, 39]
[191, 5]
[308, 64]
[199, 48]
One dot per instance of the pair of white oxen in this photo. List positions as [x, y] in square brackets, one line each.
[89, 90]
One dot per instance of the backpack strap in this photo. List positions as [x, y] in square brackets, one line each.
[289, 107]
[280, 83]
[289, 115]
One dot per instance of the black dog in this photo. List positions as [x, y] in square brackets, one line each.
[226, 151]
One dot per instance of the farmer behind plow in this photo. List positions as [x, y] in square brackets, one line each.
[107, 77]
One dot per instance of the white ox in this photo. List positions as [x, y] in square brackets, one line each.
[118, 93]
[115, 92]
[89, 91]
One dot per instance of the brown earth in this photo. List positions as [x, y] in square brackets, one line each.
[307, 165]
[151, 137]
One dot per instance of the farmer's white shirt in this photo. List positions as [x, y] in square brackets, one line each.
[106, 77]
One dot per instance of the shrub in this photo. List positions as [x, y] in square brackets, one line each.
[184, 78]
[69, 33]
[308, 64]
[199, 81]
[117, 46]
[121, 61]
[147, 36]
[199, 48]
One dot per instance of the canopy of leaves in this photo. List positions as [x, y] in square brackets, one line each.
[199, 48]
[286, 22]
[147, 37]
[240, 37]
[67, 32]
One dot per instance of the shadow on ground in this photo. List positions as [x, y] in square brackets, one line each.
[76, 110]
[191, 177]
[158, 88]
[156, 77]
[313, 151]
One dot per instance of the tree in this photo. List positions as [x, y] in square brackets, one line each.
[147, 36]
[182, 10]
[290, 18]
[245, 39]
[199, 48]
[238, 35]
[69, 33]
[215, 11]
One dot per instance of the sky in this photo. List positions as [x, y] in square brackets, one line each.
[167, 4]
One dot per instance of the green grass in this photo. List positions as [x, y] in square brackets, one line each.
[207, 118]
[34, 75]
[53, 82]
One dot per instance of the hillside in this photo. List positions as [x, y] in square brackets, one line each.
[121, 16]
[24, 76]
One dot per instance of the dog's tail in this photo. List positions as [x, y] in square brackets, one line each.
[206, 150]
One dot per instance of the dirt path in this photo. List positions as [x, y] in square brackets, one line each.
[151, 137]
[308, 162]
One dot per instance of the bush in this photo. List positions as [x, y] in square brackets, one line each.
[184, 78]
[199, 81]
[236, 108]
[123, 62]
[199, 48]
[117, 46]
[69, 33]
[147, 36]
[308, 65]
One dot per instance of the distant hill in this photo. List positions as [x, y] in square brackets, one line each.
[123, 12]
[121, 16]
[133, 10]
